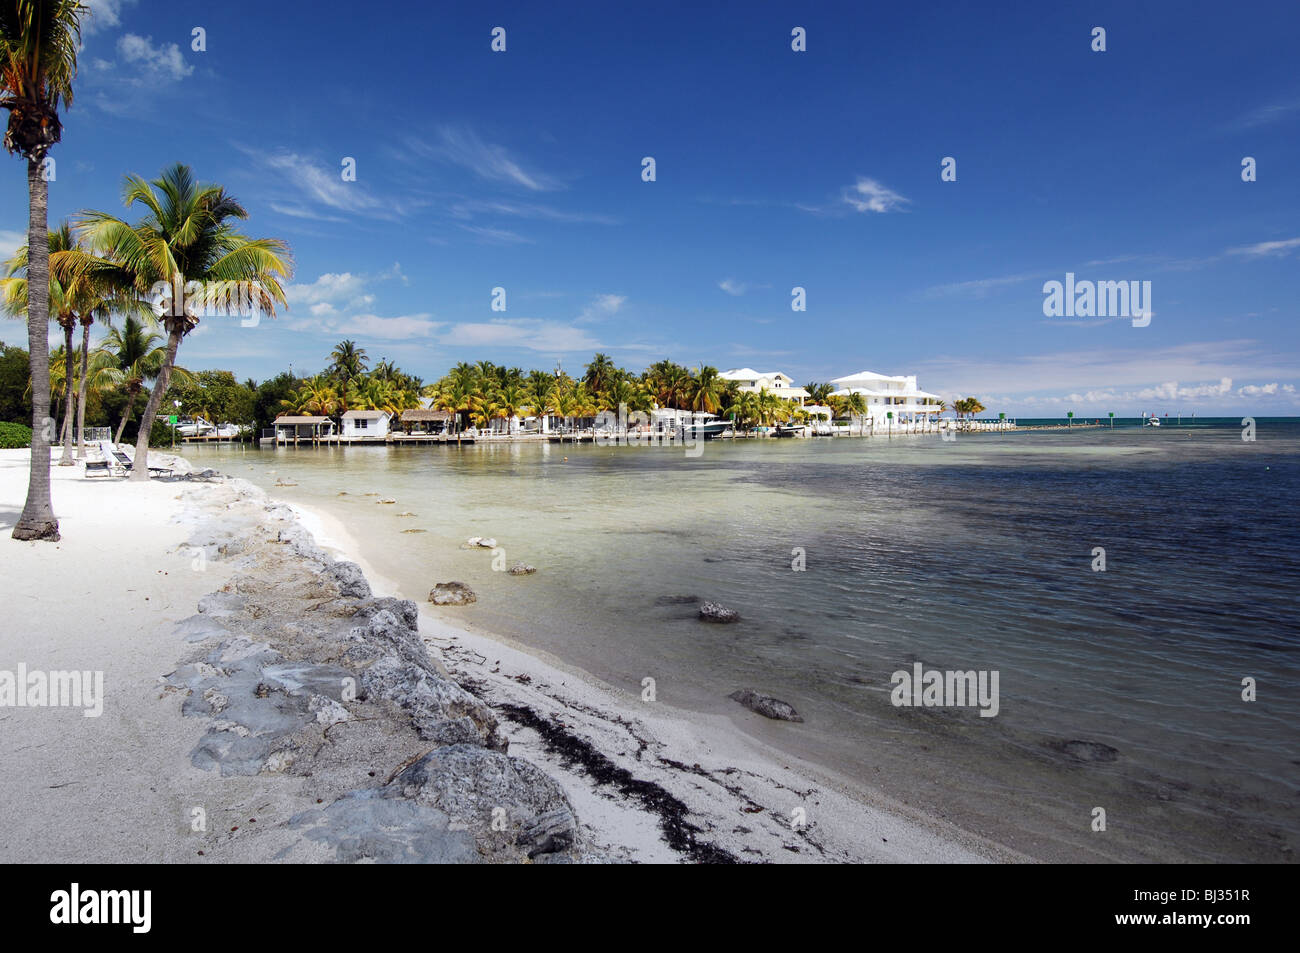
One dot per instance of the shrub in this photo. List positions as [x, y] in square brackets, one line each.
[15, 436]
[160, 435]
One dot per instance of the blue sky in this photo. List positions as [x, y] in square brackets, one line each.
[775, 169]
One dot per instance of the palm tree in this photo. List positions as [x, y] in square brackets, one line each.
[818, 392]
[39, 40]
[347, 362]
[134, 356]
[855, 405]
[600, 373]
[706, 390]
[185, 237]
[316, 396]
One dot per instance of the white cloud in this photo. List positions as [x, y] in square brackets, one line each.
[868, 195]
[977, 288]
[404, 327]
[321, 184]
[161, 62]
[733, 287]
[471, 207]
[497, 236]
[104, 15]
[1200, 371]
[10, 242]
[463, 147]
[602, 306]
[1260, 249]
[530, 333]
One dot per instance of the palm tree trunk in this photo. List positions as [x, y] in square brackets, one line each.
[140, 462]
[81, 392]
[38, 520]
[69, 407]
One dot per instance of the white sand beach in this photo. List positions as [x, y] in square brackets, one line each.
[124, 787]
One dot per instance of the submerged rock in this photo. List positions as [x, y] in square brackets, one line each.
[712, 612]
[677, 600]
[452, 594]
[522, 569]
[1087, 751]
[766, 705]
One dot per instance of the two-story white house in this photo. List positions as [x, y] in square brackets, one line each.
[365, 425]
[774, 382]
[884, 395]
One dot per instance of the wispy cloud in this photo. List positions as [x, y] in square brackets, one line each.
[531, 334]
[497, 236]
[1277, 111]
[868, 195]
[733, 287]
[979, 287]
[601, 307]
[405, 327]
[320, 185]
[463, 147]
[470, 208]
[1194, 371]
[1267, 249]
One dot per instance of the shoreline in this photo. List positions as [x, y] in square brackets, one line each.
[647, 783]
[750, 771]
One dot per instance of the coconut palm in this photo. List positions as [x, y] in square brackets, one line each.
[706, 390]
[600, 373]
[669, 383]
[316, 396]
[129, 358]
[347, 362]
[39, 40]
[818, 391]
[855, 405]
[186, 236]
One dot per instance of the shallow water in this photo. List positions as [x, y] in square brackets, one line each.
[967, 555]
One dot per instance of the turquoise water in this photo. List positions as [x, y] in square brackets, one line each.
[974, 554]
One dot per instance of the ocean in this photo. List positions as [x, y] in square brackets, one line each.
[1119, 688]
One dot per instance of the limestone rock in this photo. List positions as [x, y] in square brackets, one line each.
[712, 612]
[766, 705]
[452, 594]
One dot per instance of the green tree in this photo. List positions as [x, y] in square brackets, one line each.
[15, 396]
[186, 235]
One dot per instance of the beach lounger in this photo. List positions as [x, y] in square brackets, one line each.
[126, 465]
[98, 467]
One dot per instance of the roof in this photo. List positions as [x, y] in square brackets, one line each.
[868, 392]
[298, 419]
[365, 414]
[749, 374]
[867, 375]
[424, 413]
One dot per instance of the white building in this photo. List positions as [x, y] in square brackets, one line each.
[885, 395]
[749, 380]
[365, 424]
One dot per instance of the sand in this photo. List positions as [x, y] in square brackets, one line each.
[121, 787]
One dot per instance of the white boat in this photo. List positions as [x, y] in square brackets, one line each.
[194, 428]
[1152, 421]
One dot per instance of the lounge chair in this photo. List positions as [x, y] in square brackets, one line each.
[125, 464]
